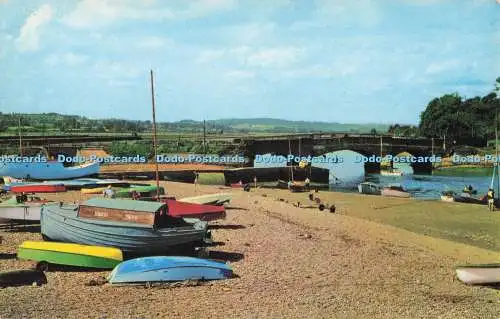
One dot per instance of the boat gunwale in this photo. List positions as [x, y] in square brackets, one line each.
[111, 249]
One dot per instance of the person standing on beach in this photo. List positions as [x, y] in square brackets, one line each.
[108, 192]
[195, 180]
[491, 199]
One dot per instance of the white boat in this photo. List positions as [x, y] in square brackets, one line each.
[479, 274]
[395, 190]
[11, 209]
[391, 173]
[369, 188]
[446, 198]
[209, 199]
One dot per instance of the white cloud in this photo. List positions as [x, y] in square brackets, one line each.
[210, 55]
[439, 67]
[29, 36]
[70, 59]
[240, 74]
[244, 55]
[275, 57]
[117, 71]
[93, 13]
[153, 42]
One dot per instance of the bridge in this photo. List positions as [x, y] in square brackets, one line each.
[365, 144]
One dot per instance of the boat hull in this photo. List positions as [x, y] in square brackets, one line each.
[70, 254]
[479, 274]
[26, 212]
[394, 193]
[368, 189]
[37, 188]
[210, 199]
[190, 210]
[62, 224]
[47, 171]
[161, 268]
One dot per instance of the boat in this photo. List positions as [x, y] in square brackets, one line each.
[21, 208]
[394, 190]
[191, 210]
[295, 187]
[163, 268]
[70, 254]
[142, 190]
[135, 227]
[96, 190]
[38, 188]
[479, 274]
[48, 170]
[369, 188]
[209, 199]
[391, 173]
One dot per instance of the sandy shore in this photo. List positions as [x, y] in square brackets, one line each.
[291, 263]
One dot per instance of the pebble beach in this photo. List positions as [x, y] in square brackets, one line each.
[289, 261]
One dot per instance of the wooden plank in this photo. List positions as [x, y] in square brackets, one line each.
[116, 215]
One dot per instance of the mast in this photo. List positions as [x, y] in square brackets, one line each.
[20, 138]
[204, 137]
[154, 138]
[290, 153]
[496, 151]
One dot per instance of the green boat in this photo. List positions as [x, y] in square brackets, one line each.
[143, 191]
[69, 254]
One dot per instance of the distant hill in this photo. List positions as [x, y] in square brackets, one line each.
[54, 123]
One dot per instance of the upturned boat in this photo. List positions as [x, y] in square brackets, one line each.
[479, 274]
[190, 210]
[38, 188]
[395, 190]
[69, 254]
[47, 170]
[369, 188]
[162, 268]
[21, 208]
[209, 199]
[142, 190]
[136, 227]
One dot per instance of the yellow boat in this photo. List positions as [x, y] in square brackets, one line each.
[97, 190]
[69, 254]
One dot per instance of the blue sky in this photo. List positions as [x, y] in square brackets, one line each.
[329, 60]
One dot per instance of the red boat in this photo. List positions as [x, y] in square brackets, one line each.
[38, 188]
[190, 210]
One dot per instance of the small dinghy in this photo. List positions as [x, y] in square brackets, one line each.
[479, 274]
[38, 188]
[22, 278]
[161, 268]
[209, 199]
[69, 254]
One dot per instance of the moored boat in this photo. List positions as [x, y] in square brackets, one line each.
[369, 188]
[209, 199]
[479, 274]
[70, 254]
[395, 190]
[137, 227]
[162, 268]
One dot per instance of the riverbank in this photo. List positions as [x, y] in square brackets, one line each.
[292, 262]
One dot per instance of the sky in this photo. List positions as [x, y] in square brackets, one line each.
[317, 60]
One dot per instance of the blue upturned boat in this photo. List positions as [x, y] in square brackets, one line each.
[161, 268]
[135, 227]
[48, 170]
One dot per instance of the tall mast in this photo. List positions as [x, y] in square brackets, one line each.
[154, 138]
[290, 153]
[204, 137]
[20, 138]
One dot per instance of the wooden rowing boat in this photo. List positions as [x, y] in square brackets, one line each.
[137, 227]
[162, 268]
[479, 274]
[70, 254]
